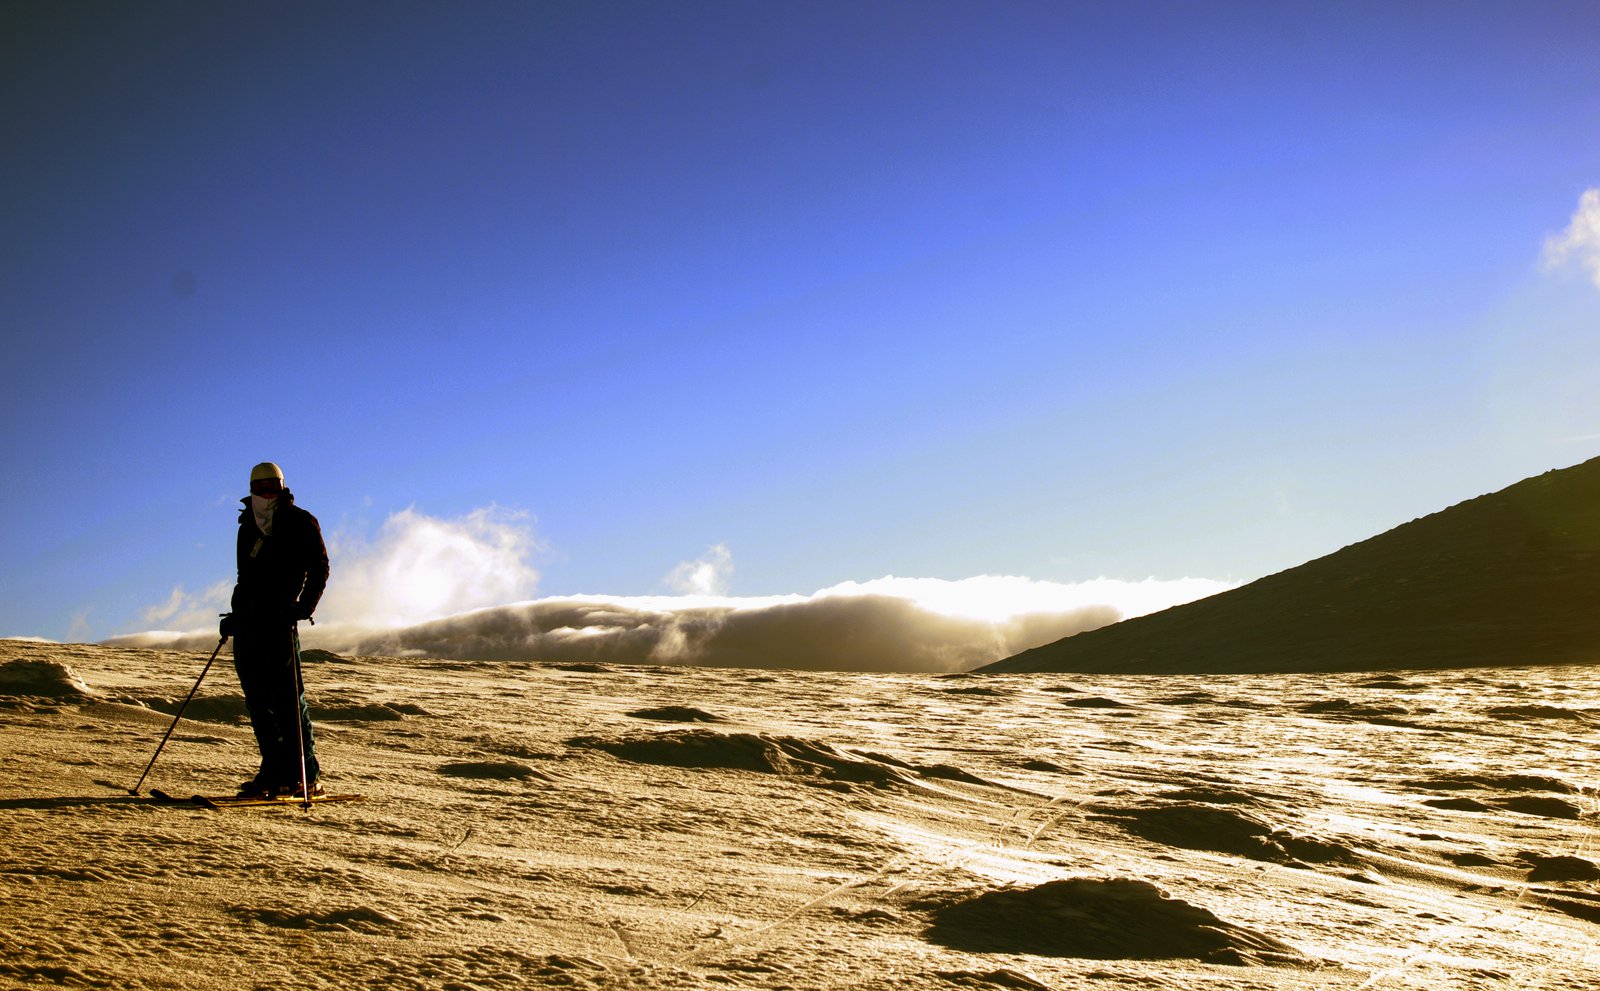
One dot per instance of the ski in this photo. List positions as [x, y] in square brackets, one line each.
[240, 801]
[252, 801]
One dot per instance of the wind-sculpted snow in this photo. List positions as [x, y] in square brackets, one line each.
[675, 714]
[41, 679]
[607, 826]
[1243, 833]
[786, 756]
[492, 770]
[1101, 918]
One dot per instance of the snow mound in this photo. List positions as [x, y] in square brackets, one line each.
[368, 712]
[783, 755]
[42, 679]
[492, 770]
[1562, 868]
[786, 756]
[675, 714]
[225, 708]
[357, 919]
[316, 656]
[1532, 711]
[1501, 782]
[1095, 702]
[1102, 919]
[1541, 805]
[1225, 830]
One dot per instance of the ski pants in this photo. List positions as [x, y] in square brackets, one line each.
[264, 657]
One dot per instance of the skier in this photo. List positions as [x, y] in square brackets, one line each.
[283, 568]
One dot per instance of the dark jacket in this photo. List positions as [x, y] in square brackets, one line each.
[281, 576]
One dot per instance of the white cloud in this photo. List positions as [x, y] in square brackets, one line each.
[1580, 242]
[1000, 598]
[185, 610]
[418, 568]
[421, 568]
[706, 575]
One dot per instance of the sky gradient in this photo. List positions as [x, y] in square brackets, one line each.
[598, 294]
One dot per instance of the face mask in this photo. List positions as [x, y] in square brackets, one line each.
[262, 507]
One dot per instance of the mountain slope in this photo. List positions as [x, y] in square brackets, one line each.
[1508, 578]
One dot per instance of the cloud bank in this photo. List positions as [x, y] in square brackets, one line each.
[1580, 242]
[463, 589]
[860, 632]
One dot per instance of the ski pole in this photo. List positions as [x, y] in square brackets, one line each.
[135, 789]
[299, 726]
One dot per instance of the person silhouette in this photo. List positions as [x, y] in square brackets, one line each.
[283, 569]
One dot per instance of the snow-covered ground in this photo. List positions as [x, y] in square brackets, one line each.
[591, 826]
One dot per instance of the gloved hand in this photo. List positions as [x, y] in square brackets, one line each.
[302, 611]
[229, 626]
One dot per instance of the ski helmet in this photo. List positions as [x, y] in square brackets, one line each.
[265, 470]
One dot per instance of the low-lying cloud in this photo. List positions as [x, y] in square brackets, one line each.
[463, 589]
[820, 632]
[421, 567]
[1580, 242]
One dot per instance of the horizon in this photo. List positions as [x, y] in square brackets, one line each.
[889, 624]
[988, 311]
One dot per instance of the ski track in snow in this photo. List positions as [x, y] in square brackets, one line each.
[594, 826]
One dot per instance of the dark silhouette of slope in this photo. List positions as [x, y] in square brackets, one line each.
[1508, 578]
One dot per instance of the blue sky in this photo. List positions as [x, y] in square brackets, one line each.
[818, 293]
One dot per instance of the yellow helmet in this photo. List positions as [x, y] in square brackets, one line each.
[264, 470]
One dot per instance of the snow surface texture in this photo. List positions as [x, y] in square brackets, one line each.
[594, 826]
